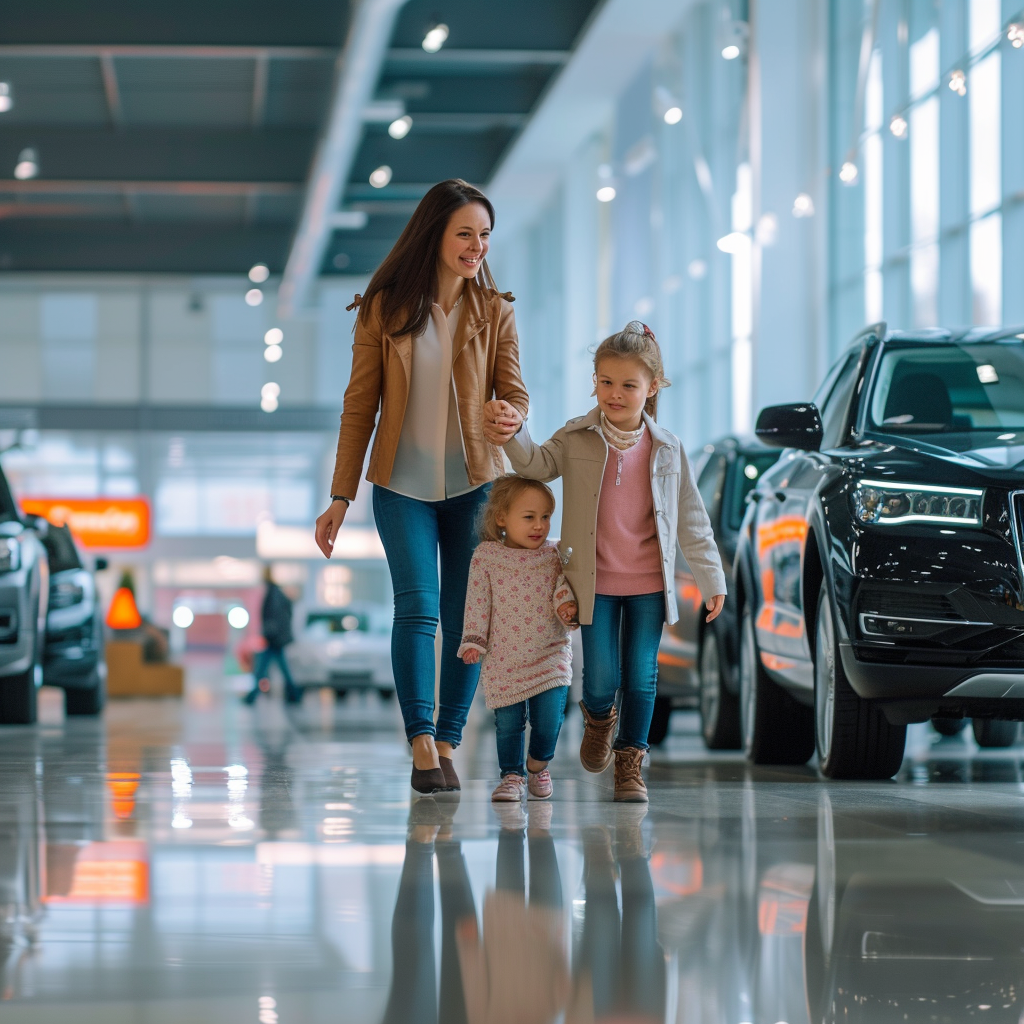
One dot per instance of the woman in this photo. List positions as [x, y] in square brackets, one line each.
[435, 344]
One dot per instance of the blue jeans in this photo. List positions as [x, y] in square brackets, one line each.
[412, 532]
[545, 712]
[261, 668]
[634, 668]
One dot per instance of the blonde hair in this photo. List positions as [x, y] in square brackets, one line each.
[504, 491]
[636, 341]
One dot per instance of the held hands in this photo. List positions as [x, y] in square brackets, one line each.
[471, 657]
[714, 606]
[569, 614]
[501, 421]
[327, 526]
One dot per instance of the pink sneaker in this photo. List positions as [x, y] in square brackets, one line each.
[512, 788]
[539, 784]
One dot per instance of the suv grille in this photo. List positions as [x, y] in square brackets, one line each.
[913, 604]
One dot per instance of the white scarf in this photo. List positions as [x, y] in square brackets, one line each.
[621, 441]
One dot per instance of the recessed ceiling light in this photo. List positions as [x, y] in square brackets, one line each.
[274, 336]
[273, 353]
[606, 194]
[259, 273]
[381, 176]
[400, 127]
[253, 297]
[6, 98]
[435, 38]
[27, 165]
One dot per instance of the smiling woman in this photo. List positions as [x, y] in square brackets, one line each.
[435, 343]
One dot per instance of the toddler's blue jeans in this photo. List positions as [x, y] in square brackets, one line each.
[545, 712]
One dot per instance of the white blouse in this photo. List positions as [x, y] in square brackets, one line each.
[430, 463]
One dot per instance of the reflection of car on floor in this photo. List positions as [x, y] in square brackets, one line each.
[880, 575]
[24, 590]
[345, 649]
[74, 627]
[697, 662]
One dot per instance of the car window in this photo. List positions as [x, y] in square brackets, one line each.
[60, 549]
[709, 483]
[928, 389]
[747, 470]
[837, 405]
[343, 620]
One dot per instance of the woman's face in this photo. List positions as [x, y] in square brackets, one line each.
[623, 386]
[466, 240]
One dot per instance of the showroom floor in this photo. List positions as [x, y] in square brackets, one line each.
[201, 861]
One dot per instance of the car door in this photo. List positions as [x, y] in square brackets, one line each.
[780, 532]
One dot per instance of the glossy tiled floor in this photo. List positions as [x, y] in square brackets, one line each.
[199, 861]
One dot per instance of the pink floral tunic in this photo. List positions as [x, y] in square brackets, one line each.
[510, 618]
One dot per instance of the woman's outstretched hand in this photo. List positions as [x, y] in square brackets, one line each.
[327, 526]
[501, 421]
[714, 606]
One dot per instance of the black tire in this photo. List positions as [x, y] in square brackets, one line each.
[18, 698]
[949, 726]
[775, 728]
[854, 738]
[992, 734]
[86, 700]
[719, 708]
[660, 720]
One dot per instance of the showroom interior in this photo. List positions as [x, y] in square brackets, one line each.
[794, 195]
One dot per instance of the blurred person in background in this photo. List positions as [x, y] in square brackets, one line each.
[276, 626]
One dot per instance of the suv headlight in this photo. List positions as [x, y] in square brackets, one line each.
[64, 595]
[10, 555]
[884, 503]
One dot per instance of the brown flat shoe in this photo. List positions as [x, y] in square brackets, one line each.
[428, 780]
[596, 748]
[451, 779]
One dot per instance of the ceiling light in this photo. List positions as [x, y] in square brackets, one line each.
[7, 100]
[27, 165]
[987, 374]
[730, 52]
[435, 38]
[732, 242]
[803, 206]
[270, 390]
[673, 115]
[238, 617]
[958, 82]
[898, 126]
[1006, 437]
[848, 173]
[183, 617]
[1015, 34]
[605, 194]
[274, 336]
[259, 273]
[399, 128]
[697, 269]
[268, 404]
[253, 297]
[272, 353]
[381, 177]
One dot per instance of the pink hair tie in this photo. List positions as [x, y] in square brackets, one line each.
[648, 333]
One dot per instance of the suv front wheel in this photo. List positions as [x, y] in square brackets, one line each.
[855, 740]
[719, 708]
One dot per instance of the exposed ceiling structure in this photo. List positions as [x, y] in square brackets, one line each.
[181, 137]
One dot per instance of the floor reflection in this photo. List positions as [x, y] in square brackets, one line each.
[202, 863]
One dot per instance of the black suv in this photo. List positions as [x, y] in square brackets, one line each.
[880, 570]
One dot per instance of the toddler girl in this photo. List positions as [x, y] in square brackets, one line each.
[629, 494]
[518, 611]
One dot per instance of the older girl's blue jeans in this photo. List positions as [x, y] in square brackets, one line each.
[413, 533]
[545, 712]
[620, 648]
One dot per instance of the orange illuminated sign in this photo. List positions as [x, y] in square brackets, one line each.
[97, 522]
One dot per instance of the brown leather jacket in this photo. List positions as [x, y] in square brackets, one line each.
[485, 365]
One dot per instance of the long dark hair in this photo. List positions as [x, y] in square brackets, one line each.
[407, 279]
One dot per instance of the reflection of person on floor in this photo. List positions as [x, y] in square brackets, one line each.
[276, 621]
[518, 973]
[619, 966]
[414, 996]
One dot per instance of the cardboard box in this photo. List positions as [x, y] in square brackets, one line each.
[129, 676]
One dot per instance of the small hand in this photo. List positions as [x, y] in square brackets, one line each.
[327, 526]
[569, 613]
[471, 657]
[501, 421]
[714, 606]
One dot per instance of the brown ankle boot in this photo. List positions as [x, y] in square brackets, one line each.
[629, 783]
[596, 748]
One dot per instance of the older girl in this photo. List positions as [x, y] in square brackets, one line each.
[629, 493]
[435, 342]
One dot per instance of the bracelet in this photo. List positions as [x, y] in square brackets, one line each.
[340, 497]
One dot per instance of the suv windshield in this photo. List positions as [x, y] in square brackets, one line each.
[931, 389]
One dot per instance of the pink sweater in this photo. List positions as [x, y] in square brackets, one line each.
[510, 618]
[628, 553]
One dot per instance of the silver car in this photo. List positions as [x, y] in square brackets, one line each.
[346, 649]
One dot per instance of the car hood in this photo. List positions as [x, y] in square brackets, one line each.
[956, 458]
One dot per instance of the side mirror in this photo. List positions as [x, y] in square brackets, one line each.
[101, 564]
[40, 524]
[790, 426]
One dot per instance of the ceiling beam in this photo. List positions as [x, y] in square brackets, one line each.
[357, 73]
[67, 187]
[479, 58]
[179, 51]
